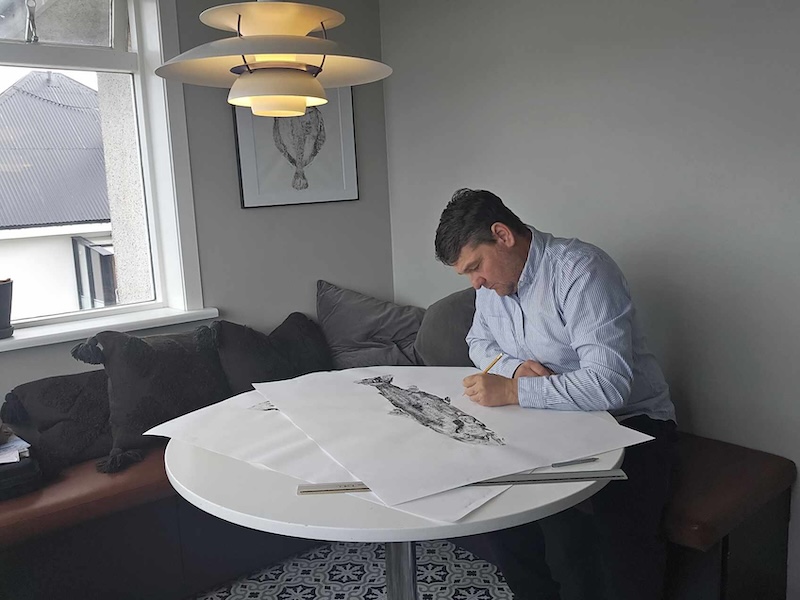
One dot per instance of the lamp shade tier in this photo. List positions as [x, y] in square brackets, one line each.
[271, 18]
[210, 64]
[277, 92]
[279, 106]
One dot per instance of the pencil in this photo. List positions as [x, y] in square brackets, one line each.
[493, 363]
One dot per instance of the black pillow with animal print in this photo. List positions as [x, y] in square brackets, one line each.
[151, 380]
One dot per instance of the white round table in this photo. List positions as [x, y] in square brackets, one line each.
[265, 500]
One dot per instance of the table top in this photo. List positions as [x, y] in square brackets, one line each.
[265, 500]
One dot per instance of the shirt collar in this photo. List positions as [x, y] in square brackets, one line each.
[534, 257]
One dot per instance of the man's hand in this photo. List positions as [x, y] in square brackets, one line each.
[531, 368]
[490, 390]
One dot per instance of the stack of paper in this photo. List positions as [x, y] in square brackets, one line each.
[407, 432]
[251, 429]
[14, 449]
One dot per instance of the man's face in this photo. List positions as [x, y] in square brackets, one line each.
[490, 265]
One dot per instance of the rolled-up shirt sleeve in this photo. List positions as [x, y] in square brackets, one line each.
[598, 313]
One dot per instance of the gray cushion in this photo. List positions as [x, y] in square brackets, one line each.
[441, 340]
[296, 347]
[363, 331]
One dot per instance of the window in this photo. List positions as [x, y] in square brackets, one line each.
[81, 22]
[95, 272]
[96, 216]
[70, 163]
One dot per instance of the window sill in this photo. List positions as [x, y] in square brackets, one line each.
[44, 335]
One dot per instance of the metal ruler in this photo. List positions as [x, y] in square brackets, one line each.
[349, 487]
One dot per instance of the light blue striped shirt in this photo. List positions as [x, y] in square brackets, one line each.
[573, 313]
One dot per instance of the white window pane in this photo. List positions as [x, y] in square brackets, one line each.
[78, 22]
[73, 221]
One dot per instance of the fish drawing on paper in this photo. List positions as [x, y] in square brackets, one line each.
[299, 140]
[434, 412]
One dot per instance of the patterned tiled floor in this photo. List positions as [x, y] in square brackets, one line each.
[352, 571]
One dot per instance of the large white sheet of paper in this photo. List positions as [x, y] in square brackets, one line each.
[248, 428]
[409, 432]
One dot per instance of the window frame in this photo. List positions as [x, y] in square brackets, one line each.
[166, 171]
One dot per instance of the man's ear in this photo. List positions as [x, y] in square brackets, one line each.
[503, 234]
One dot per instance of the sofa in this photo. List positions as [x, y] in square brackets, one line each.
[108, 524]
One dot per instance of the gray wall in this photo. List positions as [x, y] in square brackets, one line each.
[665, 132]
[260, 264]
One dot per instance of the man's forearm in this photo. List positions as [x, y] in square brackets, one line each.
[584, 389]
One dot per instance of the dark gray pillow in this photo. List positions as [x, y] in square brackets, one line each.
[441, 340]
[363, 331]
[296, 347]
[63, 418]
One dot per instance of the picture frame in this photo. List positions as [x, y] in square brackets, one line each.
[298, 160]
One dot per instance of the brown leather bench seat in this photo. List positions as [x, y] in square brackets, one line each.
[728, 522]
[730, 505]
[80, 494]
[717, 486]
[126, 536]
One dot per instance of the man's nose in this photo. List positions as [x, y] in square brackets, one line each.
[477, 281]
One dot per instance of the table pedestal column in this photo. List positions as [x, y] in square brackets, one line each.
[401, 571]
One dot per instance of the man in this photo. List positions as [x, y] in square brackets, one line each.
[560, 312]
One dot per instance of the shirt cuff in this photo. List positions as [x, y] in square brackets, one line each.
[531, 392]
[506, 366]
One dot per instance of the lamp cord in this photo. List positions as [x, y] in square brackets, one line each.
[324, 56]
[239, 34]
[244, 60]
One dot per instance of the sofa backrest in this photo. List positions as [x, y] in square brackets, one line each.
[441, 340]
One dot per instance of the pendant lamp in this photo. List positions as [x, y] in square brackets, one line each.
[272, 65]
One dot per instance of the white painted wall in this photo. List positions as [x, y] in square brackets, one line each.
[126, 203]
[43, 271]
[40, 261]
[665, 132]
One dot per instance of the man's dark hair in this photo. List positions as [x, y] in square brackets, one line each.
[467, 220]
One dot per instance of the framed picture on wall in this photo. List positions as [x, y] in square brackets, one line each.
[298, 160]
